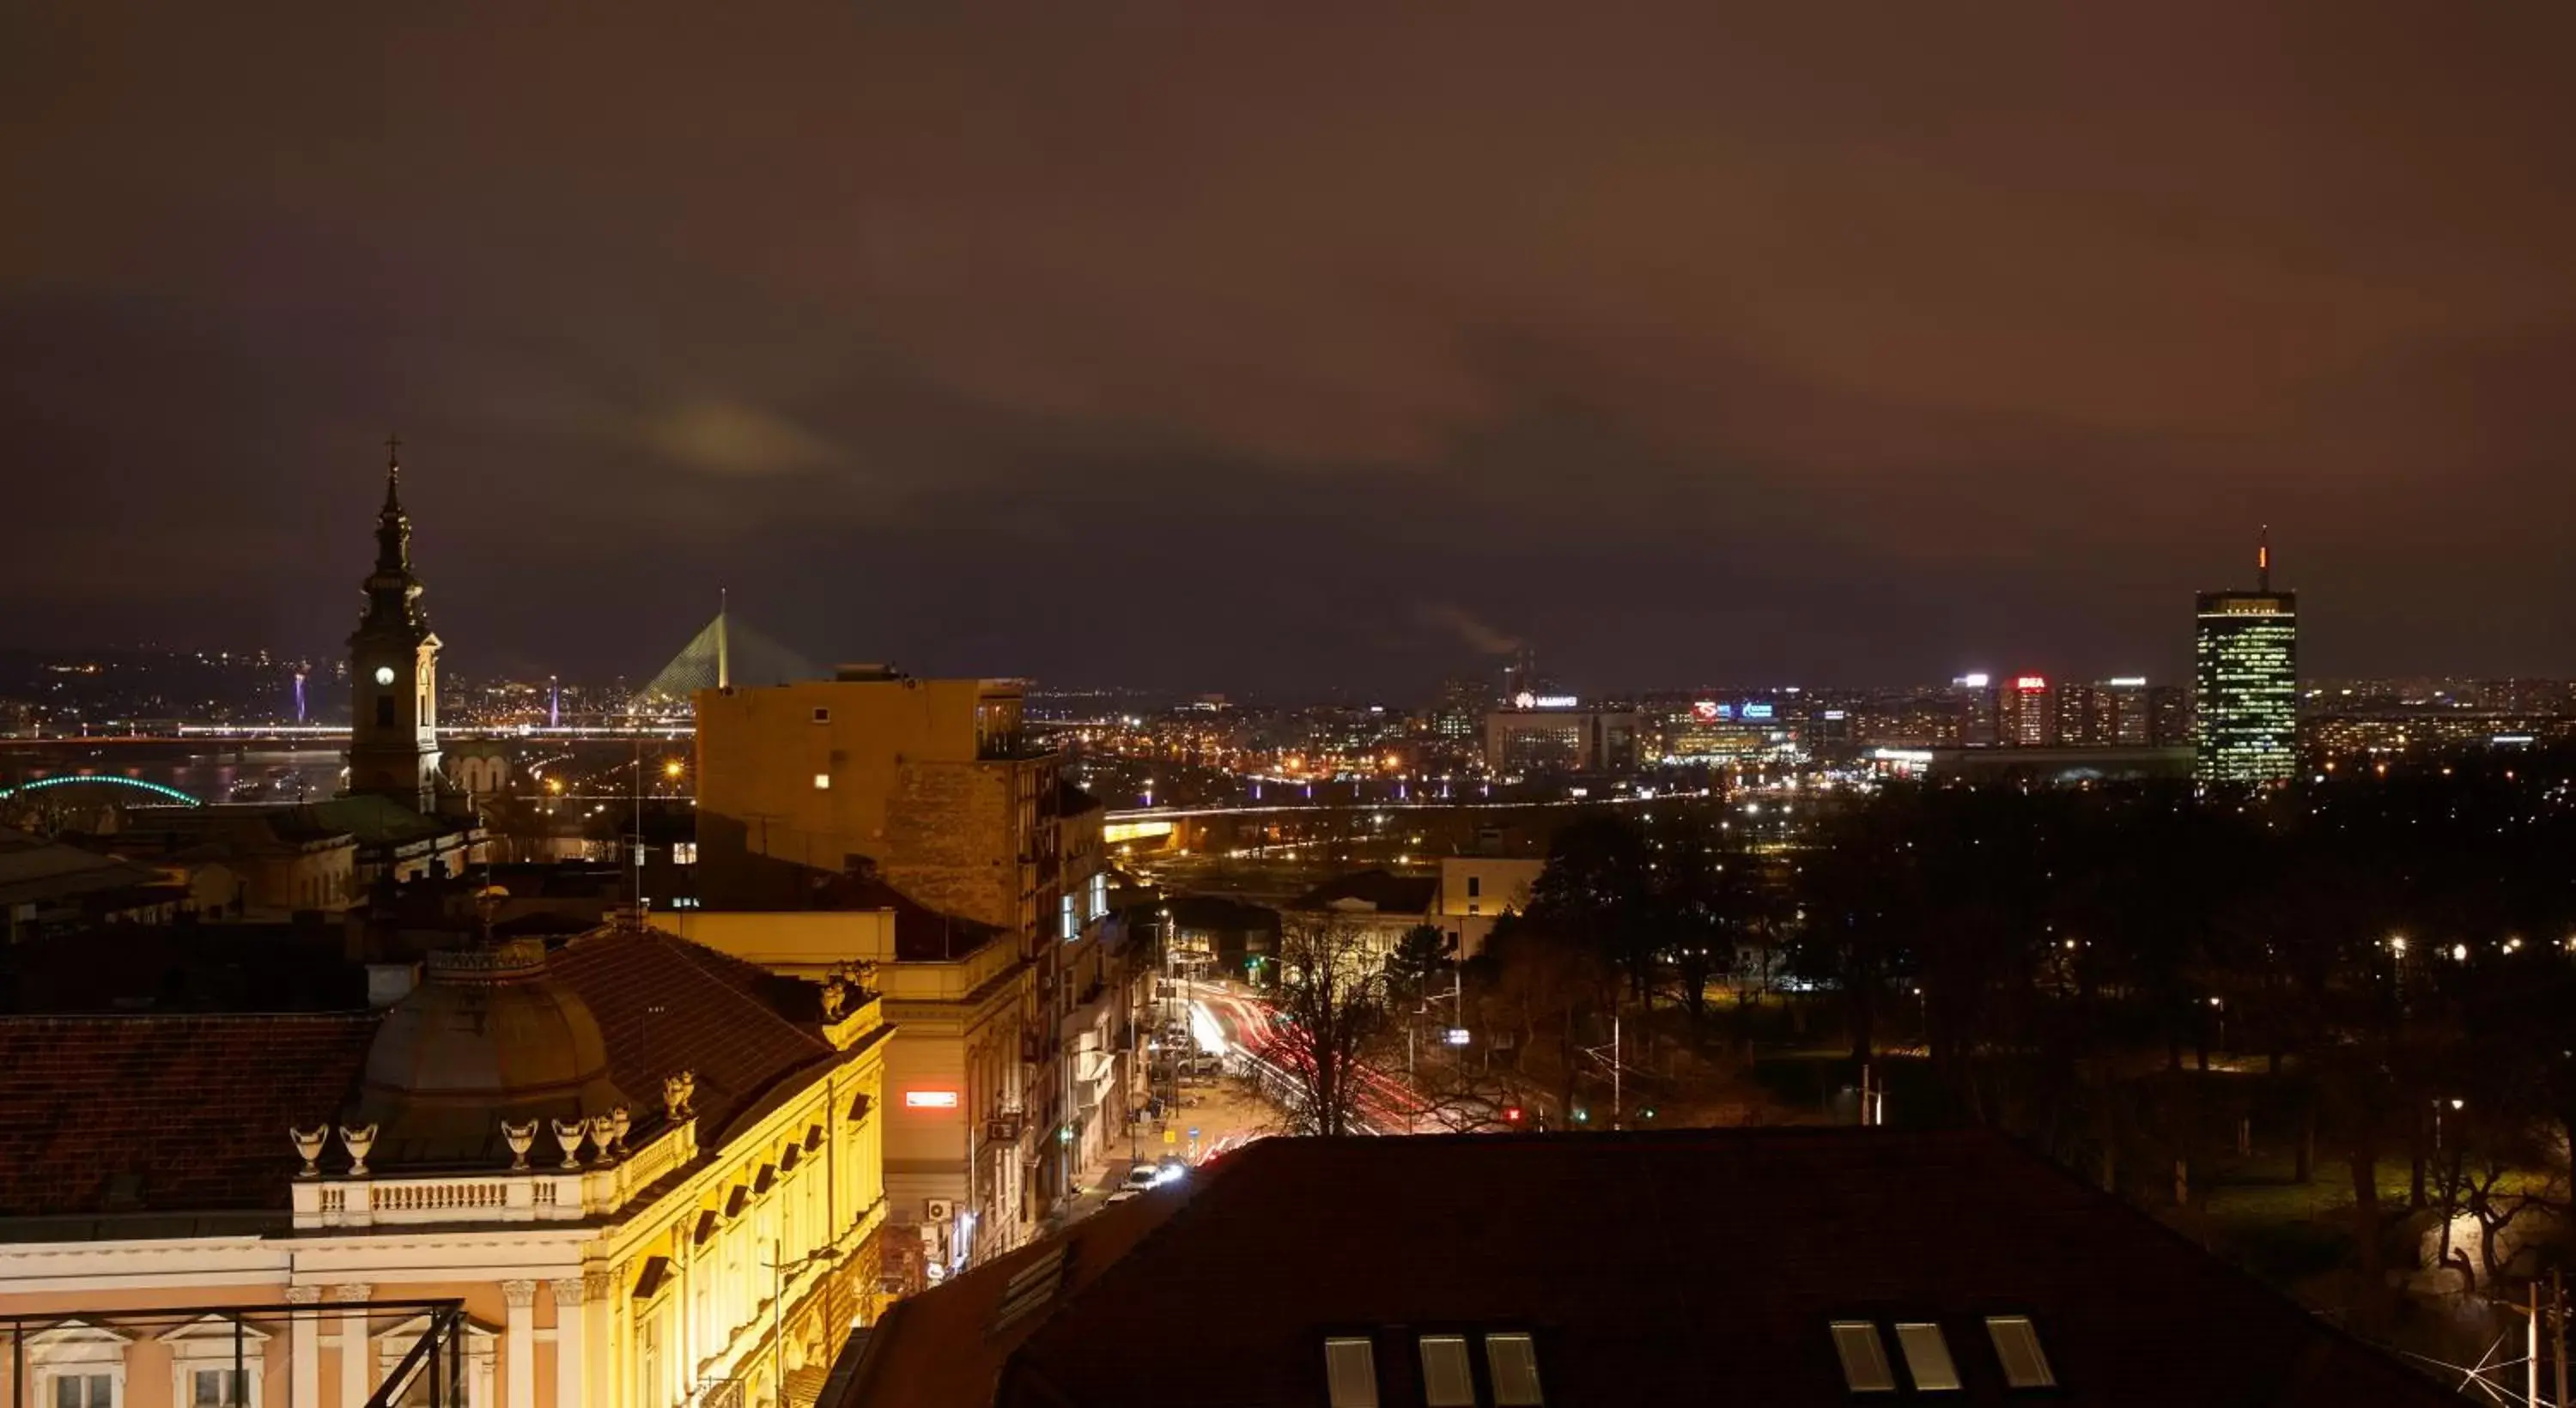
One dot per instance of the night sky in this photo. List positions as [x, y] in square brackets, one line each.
[1185, 347]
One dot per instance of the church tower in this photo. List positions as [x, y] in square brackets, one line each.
[393, 669]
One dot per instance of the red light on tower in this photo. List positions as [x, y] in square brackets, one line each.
[1511, 1114]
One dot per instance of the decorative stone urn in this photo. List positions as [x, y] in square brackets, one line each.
[310, 1143]
[357, 1142]
[520, 1137]
[569, 1134]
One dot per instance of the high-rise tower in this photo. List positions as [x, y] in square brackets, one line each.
[2245, 662]
[393, 669]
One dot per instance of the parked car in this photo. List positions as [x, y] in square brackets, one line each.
[1140, 1178]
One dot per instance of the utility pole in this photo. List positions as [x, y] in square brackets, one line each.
[1615, 1055]
[2558, 1331]
[2531, 1364]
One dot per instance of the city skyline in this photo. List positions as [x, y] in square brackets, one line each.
[1832, 381]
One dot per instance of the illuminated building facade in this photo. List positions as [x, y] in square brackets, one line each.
[1554, 733]
[2245, 660]
[933, 788]
[2025, 713]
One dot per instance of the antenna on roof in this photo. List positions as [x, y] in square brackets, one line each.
[2263, 559]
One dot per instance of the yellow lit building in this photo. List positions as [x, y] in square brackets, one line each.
[650, 1174]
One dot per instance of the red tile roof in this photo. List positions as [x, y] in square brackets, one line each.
[666, 1005]
[169, 1113]
[1684, 1267]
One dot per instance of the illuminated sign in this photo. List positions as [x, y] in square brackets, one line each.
[1754, 711]
[1975, 681]
[1550, 701]
[1709, 711]
[930, 1099]
[2028, 683]
[1524, 700]
[2128, 682]
[1834, 714]
[1455, 1036]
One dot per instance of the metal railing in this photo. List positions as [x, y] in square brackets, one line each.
[84, 1343]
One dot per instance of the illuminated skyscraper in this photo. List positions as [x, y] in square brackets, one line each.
[2025, 714]
[2245, 661]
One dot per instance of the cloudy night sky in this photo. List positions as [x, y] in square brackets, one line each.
[1201, 347]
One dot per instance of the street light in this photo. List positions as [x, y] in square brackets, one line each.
[778, 1312]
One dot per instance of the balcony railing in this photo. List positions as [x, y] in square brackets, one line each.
[238, 1345]
[538, 1194]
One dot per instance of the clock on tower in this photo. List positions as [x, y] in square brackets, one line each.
[393, 734]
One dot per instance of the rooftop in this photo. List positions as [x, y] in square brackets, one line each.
[1382, 891]
[1685, 1266]
[188, 1113]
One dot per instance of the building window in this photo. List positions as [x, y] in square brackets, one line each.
[1067, 922]
[204, 1370]
[1513, 1362]
[77, 1365]
[822, 782]
[1350, 1373]
[1447, 1382]
[822, 716]
[1099, 889]
[684, 853]
[384, 711]
[1475, 885]
[1864, 1357]
[1927, 1358]
[2017, 1345]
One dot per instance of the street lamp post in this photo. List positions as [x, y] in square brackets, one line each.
[778, 1270]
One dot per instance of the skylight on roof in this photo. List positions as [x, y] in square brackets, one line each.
[1864, 1357]
[1513, 1363]
[1927, 1357]
[1031, 1287]
[1447, 1380]
[2017, 1345]
[1350, 1372]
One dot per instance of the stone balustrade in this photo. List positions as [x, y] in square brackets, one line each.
[528, 1195]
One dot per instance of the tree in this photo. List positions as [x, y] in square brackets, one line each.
[1422, 954]
[1334, 996]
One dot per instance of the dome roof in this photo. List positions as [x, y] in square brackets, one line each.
[487, 1036]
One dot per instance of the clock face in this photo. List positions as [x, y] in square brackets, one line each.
[384, 674]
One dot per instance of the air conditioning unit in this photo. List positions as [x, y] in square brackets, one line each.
[938, 1209]
[1005, 1130]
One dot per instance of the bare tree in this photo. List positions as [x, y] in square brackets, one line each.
[1333, 995]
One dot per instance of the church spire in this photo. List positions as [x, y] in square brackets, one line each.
[393, 526]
